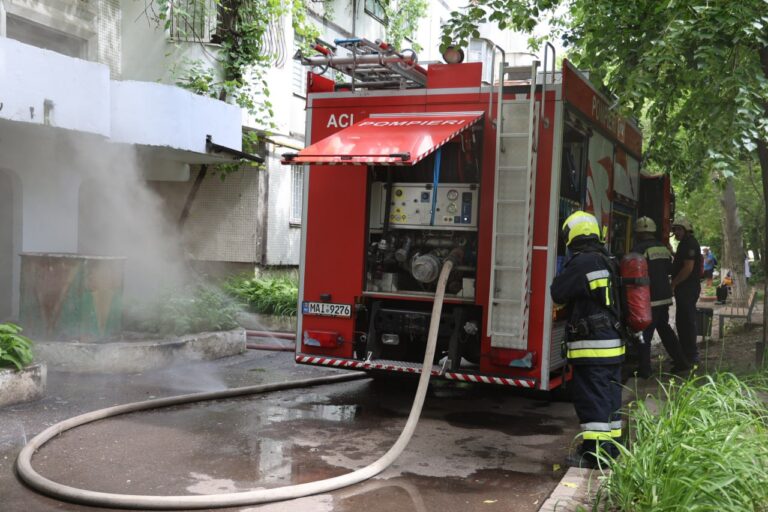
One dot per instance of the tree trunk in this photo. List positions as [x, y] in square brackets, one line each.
[762, 155]
[733, 250]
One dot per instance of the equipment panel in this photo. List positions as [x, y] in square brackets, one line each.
[412, 206]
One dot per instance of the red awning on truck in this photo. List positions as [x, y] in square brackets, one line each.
[386, 139]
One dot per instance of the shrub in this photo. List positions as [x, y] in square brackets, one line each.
[268, 295]
[15, 349]
[701, 446]
[197, 308]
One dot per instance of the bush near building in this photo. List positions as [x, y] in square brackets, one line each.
[275, 295]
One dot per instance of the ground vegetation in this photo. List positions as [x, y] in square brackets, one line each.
[15, 348]
[271, 295]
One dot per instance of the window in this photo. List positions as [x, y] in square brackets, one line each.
[375, 8]
[299, 79]
[297, 193]
[34, 34]
[193, 20]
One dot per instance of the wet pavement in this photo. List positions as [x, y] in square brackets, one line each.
[475, 448]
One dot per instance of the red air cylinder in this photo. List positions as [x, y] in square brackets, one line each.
[637, 291]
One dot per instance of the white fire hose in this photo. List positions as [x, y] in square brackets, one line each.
[134, 501]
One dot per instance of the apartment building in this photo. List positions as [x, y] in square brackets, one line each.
[87, 97]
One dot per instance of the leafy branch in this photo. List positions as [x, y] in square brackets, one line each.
[403, 19]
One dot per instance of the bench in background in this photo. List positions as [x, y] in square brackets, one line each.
[738, 312]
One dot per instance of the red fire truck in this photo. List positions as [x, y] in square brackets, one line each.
[406, 166]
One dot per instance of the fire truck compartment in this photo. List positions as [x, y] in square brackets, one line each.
[397, 331]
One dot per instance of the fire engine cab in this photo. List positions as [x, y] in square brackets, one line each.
[407, 166]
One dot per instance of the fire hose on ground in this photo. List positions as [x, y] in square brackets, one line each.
[134, 501]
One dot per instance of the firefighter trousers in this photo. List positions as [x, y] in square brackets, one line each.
[685, 319]
[660, 324]
[596, 393]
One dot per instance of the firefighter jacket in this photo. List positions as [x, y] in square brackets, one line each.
[688, 249]
[659, 269]
[585, 287]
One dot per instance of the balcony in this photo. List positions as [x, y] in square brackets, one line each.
[41, 87]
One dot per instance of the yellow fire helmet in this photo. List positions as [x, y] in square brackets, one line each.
[645, 225]
[579, 224]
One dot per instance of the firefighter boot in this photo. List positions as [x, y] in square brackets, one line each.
[582, 458]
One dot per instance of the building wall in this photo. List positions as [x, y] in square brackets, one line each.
[95, 23]
[10, 239]
[109, 19]
[226, 220]
[283, 234]
[46, 162]
[147, 52]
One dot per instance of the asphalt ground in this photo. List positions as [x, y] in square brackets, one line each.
[477, 447]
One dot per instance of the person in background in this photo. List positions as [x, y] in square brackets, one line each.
[710, 262]
[747, 270]
[721, 292]
[594, 346]
[686, 269]
[659, 261]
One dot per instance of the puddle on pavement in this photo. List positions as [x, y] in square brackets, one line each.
[202, 448]
[484, 490]
[530, 424]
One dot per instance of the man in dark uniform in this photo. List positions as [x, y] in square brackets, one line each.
[659, 261]
[686, 269]
[593, 345]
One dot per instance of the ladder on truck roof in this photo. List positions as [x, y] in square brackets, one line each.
[369, 65]
[516, 150]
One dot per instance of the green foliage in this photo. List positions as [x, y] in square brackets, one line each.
[241, 35]
[403, 18]
[692, 70]
[268, 295]
[252, 142]
[695, 73]
[701, 205]
[702, 445]
[521, 15]
[191, 309]
[15, 349]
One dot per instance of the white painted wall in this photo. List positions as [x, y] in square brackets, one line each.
[45, 162]
[163, 115]
[77, 89]
[148, 55]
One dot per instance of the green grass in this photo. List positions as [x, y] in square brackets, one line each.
[275, 295]
[701, 445]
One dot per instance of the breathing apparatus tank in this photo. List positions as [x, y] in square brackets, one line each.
[636, 292]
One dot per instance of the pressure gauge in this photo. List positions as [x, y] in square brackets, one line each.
[453, 195]
[452, 208]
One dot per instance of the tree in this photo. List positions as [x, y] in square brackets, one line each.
[696, 71]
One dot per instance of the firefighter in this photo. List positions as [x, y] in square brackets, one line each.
[594, 347]
[659, 269]
[686, 268]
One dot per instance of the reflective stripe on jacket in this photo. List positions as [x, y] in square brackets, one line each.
[585, 288]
